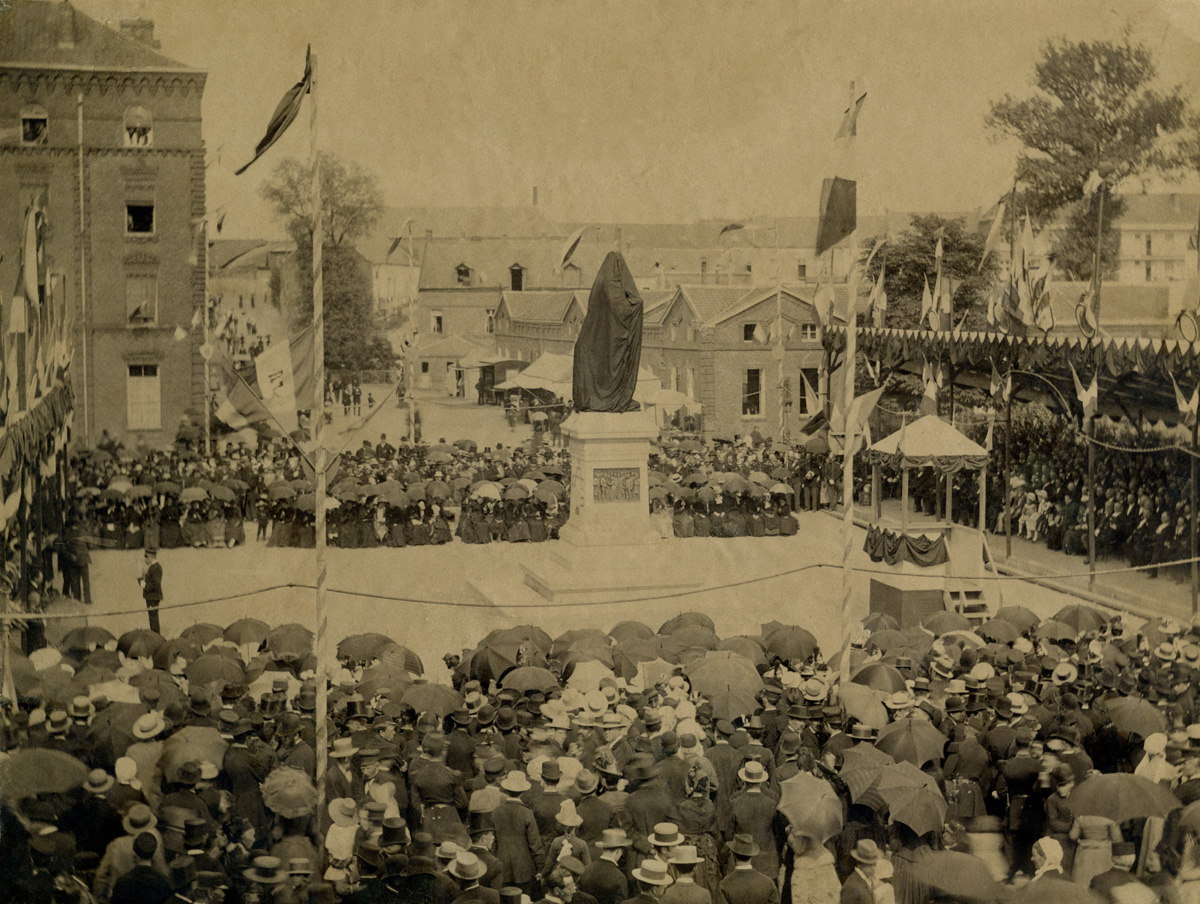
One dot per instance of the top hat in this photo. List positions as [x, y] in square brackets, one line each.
[82, 708]
[183, 872]
[551, 772]
[395, 832]
[195, 833]
[861, 731]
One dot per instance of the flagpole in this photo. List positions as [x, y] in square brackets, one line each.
[83, 317]
[317, 419]
[207, 378]
[779, 340]
[1096, 275]
[1192, 519]
[848, 470]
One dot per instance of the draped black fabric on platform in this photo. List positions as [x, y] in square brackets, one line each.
[609, 348]
[891, 547]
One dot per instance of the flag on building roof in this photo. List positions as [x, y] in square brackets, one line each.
[838, 213]
[1187, 407]
[1089, 398]
[731, 227]
[285, 113]
[849, 126]
[568, 248]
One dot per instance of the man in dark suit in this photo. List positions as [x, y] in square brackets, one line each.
[518, 841]
[151, 581]
[143, 884]
[859, 887]
[468, 870]
[726, 761]
[754, 814]
[603, 878]
[743, 884]
[648, 805]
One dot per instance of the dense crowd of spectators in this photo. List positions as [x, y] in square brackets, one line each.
[636, 765]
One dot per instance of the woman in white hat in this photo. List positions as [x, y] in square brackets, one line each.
[814, 879]
[343, 834]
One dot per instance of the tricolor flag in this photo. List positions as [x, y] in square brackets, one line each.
[285, 113]
[993, 236]
[849, 126]
[1001, 388]
[1187, 408]
[838, 213]
[928, 313]
[929, 398]
[1089, 398]
[812, 398]
[277, 384]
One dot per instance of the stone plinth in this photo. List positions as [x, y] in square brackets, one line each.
[609, 548]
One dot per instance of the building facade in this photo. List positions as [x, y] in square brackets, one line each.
[106, 132]
[715, 344]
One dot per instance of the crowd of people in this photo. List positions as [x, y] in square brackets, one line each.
[1028, 760]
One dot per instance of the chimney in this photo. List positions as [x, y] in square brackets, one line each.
[140, 30]
[535, 196]
[66, 26]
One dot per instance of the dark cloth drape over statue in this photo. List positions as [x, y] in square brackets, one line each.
[609, 348]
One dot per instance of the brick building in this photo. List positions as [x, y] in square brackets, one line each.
[86, 110]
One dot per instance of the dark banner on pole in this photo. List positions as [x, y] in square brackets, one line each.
[838, 217]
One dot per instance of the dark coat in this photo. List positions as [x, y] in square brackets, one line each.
[518, 842]
[605, 881]
[142, 885]
[746, 886]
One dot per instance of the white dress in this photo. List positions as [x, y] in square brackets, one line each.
[814, 879]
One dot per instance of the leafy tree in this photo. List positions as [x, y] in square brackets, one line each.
[910, 258]
[350, 206]
[350, 199]
[1097, 110]
[1074, 246]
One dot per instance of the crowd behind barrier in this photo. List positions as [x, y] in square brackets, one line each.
[1022, 760]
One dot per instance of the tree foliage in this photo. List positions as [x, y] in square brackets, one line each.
[1097, 109]
[350, 199]
[353, 340]
[909, 260]
[1074, 246]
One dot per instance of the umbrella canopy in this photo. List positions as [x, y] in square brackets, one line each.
[289, 792]
[747, 647]
[696, 636]
[224, 494]
[586, 676]
[140, 642]
[530, 678]
[864, 704]
[1055, 630]
[87, 638]
[1000, 630]
[1081, 618]
[213, 668]
[631, 630]
[1121, 796]
[289, 642]
[193, 494]
[811, 806]
[730, 705]
[247, 631]
[881, 677]
[941, 622]
[684, 619]
[889, 639]
[913, 740]
[166, 487]
[1136, 716]
[202, 633]
[654, 671]
[921, 809]
[363, 647]
[1023, 618]
[958, 877]
[281, 490]
[191, 744]
[724, 671]
[384, 678]
[38, 770]
[862, 765]
[173, 650]
[791, 642]
[111, 732]
[432, 698]
[581, 639]
[401, 658]
[878, 621]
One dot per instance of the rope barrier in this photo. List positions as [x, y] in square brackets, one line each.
[466, 604]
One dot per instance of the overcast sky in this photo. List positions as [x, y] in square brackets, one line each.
[638, 110]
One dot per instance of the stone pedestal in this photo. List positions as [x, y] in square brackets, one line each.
[609, 548]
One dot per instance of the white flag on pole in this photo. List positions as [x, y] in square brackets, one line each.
[277, 383]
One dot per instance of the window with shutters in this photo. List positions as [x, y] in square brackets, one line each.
[752, 393]
[141, 299]
[143, 397]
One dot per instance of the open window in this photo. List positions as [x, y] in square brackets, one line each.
[141, 299]
[463, 272]
[139, 218]
[516, 275]
[752, 393]
[137, 128]
[35, 126]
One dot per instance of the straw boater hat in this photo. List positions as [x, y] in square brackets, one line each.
[265, 871]
[148, 726]
[685, 854]
[653, 872]
[138, 819]
[99, 781]
[753, 772]
[666, 834]
[614, 838]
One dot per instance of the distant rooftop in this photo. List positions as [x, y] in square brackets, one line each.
[53, 34]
